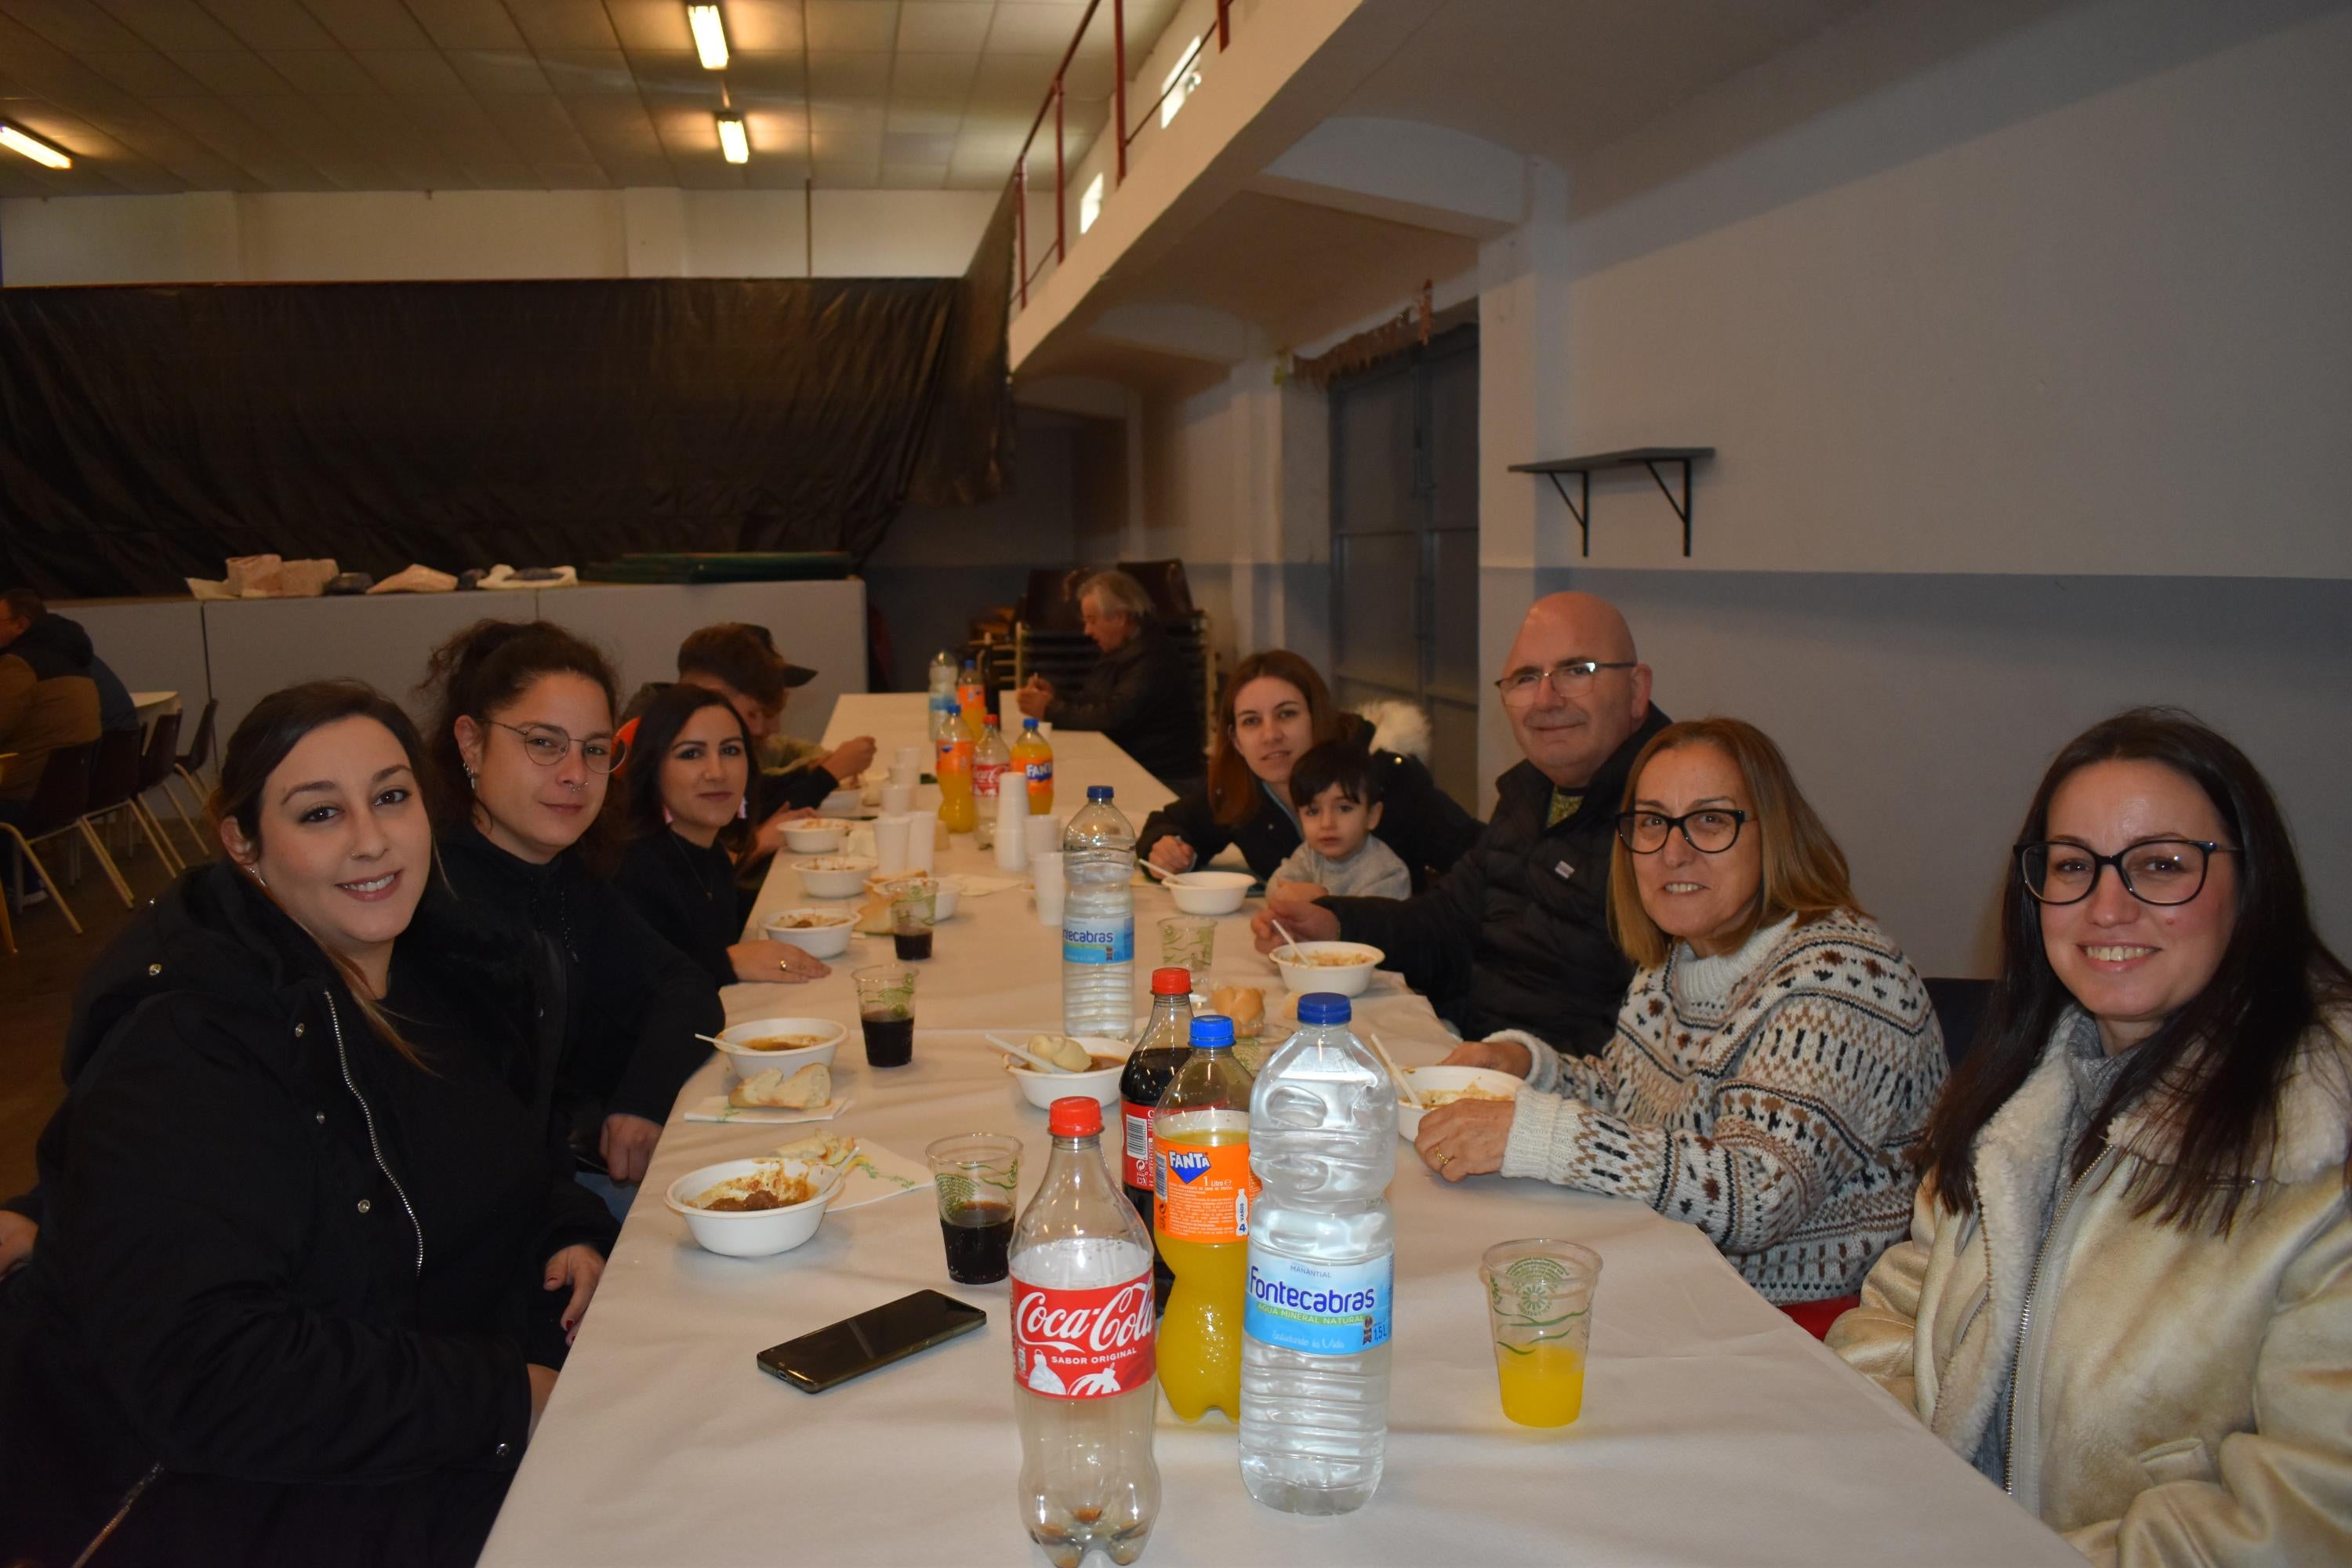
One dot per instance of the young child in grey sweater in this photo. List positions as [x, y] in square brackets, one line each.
[1337, 797]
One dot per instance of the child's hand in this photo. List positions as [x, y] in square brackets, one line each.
[1286, 897]
[1172, 854]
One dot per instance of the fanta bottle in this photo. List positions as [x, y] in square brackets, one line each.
[1202, 1188]
[958, 813]
[1035, 758]
[971, 700]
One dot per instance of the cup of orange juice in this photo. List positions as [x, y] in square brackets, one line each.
[1539, 1308]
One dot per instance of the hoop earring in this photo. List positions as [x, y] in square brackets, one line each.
[259, 881]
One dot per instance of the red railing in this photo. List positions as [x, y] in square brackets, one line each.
[1055, 104]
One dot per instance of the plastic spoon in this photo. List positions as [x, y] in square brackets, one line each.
[1294, 954]
[1040, 1063]
[1404, 1084]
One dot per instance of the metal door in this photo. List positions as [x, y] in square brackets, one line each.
[1404, 546]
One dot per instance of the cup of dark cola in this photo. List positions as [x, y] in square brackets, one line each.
[977, 1174]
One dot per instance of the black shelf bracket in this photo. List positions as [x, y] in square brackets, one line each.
[1645, 457]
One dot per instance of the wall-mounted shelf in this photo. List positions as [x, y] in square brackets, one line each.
[1644, 456]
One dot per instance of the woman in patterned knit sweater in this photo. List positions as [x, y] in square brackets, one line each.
[1776, 1057]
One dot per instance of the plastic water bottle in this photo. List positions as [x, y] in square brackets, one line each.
[1322, 1269]
[1083, 1345]
[1098, 920]
[942, 704]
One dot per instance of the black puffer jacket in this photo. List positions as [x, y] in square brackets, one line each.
[1139, 695]
[1421, 822]
[233, 1286]
[1516, 935]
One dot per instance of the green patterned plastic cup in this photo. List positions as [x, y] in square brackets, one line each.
[978, 1175]
[1539, 1307]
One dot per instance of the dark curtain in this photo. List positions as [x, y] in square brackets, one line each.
[148, 434]
[970, 454]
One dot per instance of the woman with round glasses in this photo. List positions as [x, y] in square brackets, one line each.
[522, 743]
[2128, 1293]
[1776, 1055]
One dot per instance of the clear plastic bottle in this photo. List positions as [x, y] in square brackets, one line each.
[989, 760]
[971, 700]
[1082, 1349]
[1098, 920]
[1322, 1269]
[943, 694]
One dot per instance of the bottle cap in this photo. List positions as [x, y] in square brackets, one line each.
[1075, 1116]
[1211, 1030]
[1028, 723]
[1323, 1007]
[1171, 983]
[1097, 792]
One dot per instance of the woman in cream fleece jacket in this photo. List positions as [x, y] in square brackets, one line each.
[1776, 1055]
[2128, 1293]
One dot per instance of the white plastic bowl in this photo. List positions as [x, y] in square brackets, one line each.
[1209, 892]
[844, 880]
[1341, 979]
[830, 939]
[762, 1232]
[1438, 1080]
[814, 837]
[1042, 1088]
[747, 1061]
[946, 891]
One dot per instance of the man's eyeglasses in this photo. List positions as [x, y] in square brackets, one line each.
[2159, 871]
[547, 745]
[1710, 831]
[1568, 678]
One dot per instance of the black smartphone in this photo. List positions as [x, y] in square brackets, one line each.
[875, 1337]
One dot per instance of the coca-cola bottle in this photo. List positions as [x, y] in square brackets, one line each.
[1082, 1354]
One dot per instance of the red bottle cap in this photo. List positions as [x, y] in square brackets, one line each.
[1075, 1116]
[1171, 983]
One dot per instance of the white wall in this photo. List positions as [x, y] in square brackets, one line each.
[346, 236]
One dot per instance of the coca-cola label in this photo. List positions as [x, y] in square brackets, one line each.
[1083, 1345]
[983, 779]
[1136, 1163]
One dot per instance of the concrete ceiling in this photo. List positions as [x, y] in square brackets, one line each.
[158, 96]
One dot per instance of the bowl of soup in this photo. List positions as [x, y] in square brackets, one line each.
[816, 836]
[1100, 1080]
[821, 933]
[1450, 1085]
[753, 1208]
[835, 876]
[1209, 892]
[758, 1043]
[1343, 968]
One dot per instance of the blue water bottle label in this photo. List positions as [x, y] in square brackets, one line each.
[1318, 1309]
[1097, 940]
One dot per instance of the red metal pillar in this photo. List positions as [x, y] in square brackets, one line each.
[1119, 80]
[1224, 24]
[1061, 200]
[1021, 225]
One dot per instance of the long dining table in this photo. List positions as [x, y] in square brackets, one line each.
[1714, 1430]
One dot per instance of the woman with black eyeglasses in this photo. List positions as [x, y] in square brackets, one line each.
[1776, 1056]
[522, 743]
[2128, 1293]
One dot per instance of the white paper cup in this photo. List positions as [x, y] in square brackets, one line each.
[907, 760]
[1045, 871]
[898, 799]
[922, 839]
[890, 843]
[1042, 834]
[1011, 829]
[1045, 728]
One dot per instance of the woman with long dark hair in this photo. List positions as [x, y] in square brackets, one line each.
[523, 752]
[2128, 1293]
[312, 1250]
[1274, 709]
[683, 804]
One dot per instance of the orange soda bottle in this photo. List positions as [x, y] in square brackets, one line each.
[1035, 758]
[971, 700]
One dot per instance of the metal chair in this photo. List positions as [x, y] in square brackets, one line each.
[188, 765]
[156, 772]
[114, 778]
[56, 808]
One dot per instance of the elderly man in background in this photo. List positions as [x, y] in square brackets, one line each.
[1138, 693]
[1516, 935]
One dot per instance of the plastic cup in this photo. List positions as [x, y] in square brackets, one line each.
[1188, 942]
[907, 765]
[1042, 834]
[897, 797]
[1045, 872]
[913, 913]
[923, 840]
[890, 840]
[886, 1010]
[1045, 729]
[1539, 1308]
[977, 1175]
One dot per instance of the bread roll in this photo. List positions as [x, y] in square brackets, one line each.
[1062, 1051]
[1244, 1005]
[809, 1088]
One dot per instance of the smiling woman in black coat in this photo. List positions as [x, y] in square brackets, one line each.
[311, 1251]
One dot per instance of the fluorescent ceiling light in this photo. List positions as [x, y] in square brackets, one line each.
[731, 140]
[709, 37]
[33, 147]
[1090, 204]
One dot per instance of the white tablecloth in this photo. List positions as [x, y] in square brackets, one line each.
[1714, 1431]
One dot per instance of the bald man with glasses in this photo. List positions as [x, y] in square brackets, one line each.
[1516, 935]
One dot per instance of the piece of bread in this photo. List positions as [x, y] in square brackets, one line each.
[873, 918]
[1062, 1051]
[1244, 1005]
[821, 1149]
[809, 1088]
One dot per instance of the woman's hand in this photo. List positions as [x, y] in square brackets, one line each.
[627, 1145]
[17, 1234]
[1172, 854]
[775, 963]
[771, 835]
[1307, 923]
[1035, 695]
[1503, 1056]
[849, 759]
[579, 1267]
[1466, 1138]
[542, 1384]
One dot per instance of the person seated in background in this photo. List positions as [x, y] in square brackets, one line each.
[1138, 693]
[312, 1253]
[684, 809]
[1337, 794]
[1776, 1056]
[522, 751]
[1516, 936]
[2127, 1295]
[47, 700]
[26, 623]
[740, 662]
[1274, 709]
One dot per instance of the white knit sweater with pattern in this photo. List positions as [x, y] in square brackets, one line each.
[1769, 1097]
